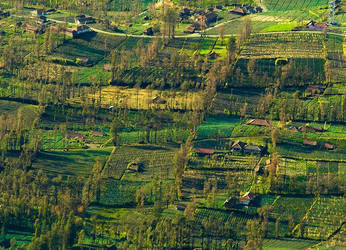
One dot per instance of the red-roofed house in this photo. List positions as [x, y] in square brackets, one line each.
[246, 199]
[204, 151]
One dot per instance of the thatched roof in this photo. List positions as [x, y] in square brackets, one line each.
[258, 122]
[310, 143]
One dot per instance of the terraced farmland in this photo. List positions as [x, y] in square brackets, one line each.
[287, 45]
[285, 5]
[155, 160]
[325, 217]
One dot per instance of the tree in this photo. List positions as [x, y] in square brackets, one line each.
[96, 178]
[254, 237]
[181, 160]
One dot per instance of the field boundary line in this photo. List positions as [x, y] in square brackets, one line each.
[317, 198]
[108, 159]
[276, 199]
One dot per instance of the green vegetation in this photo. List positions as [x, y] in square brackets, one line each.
[175, 124]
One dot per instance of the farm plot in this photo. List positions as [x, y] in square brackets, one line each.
[325, 217]
[194, 180]
[9, 107]
[20, 236]
[283, 244]
[293, 206]
[223, 127]
[15, 110]
[92, 47]
[236, 219]
[284, 5]
[227, 163]
[299, 151]
[135, 98]
[284, 45]
[154, 160]
[119, 193]
[73, 162]
[233, 27]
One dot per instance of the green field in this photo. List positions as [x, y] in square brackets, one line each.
[72, 162]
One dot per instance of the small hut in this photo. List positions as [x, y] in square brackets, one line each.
[310, 143]
[258, 122]
[133, 166]
[158, 100]
[246, 199]
[329, 146]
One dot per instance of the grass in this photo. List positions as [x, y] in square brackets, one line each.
[135, 98]
[286, 244]
[280, 27]
[73, 162]
[279, 5]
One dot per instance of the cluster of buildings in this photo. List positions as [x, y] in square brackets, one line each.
[201, 19]
[38, 26]
[308, 129]
[82, 19]
[246, 9]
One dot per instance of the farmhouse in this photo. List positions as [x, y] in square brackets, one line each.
[239, 11]
[310, 143]
[246, 199]
[82, 19]
[309, 129]
[158, 100]
[205, 19]
[134, 167]
[312, 25]
[98, 133]
[39, 12]
[319, 129]
[107, 67]
[204, 151]
[76, 31]
[238, 146]
[329, 146]
[252, 149]
[293, 129]
[246, 9]
[258, 122]
[314, 90]
[191, 29]
[75, 135]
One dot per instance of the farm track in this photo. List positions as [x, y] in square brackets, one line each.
[192, 35]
